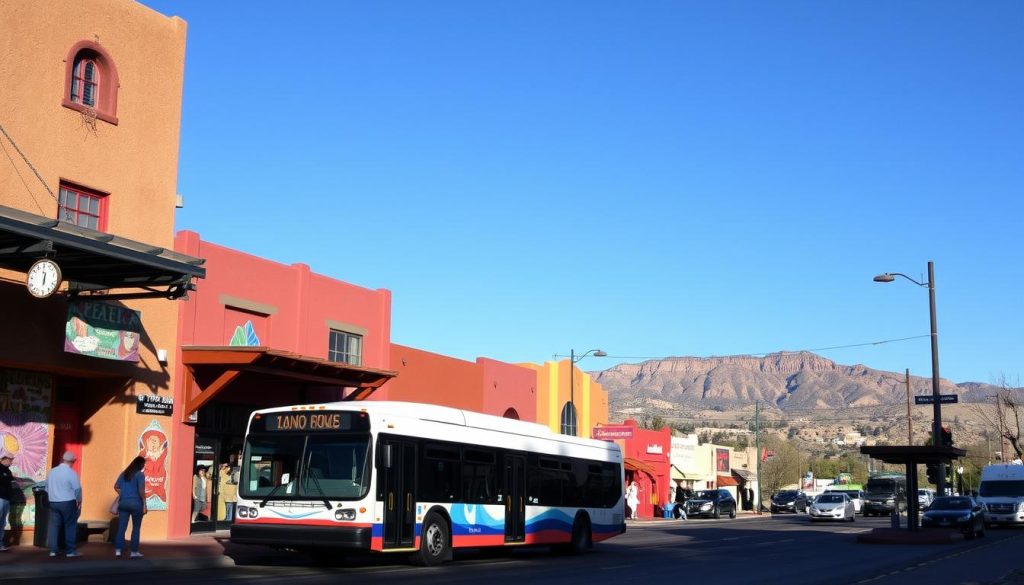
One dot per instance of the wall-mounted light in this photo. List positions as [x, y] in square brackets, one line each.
[161, 356]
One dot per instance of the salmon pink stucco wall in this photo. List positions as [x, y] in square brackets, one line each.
[486, 385]
[290, 307]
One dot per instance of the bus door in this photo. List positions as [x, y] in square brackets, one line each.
[398, 476]
[515, 498]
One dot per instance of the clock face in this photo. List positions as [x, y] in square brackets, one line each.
[43, 278]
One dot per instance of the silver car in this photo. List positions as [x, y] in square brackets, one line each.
[832, 506]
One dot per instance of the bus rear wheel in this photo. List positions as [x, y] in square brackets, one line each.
[581, 539]
[435, 547]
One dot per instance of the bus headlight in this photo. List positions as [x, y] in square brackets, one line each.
[243, 512]
[345, 514]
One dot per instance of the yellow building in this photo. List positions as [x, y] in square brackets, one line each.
[91, 110]
[568, 400]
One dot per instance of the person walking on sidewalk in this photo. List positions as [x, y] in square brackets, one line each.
[131, 503]
[64, 491]
[632, 499]
[6, 495]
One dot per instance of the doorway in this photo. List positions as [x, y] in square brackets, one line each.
[515, 502]
[398, 473]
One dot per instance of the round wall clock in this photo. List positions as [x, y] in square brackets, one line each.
[43, 278]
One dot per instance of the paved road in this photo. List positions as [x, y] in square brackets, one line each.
[760, 550]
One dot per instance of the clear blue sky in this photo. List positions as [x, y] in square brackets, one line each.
[651, 178]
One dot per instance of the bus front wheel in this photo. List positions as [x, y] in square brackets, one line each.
[434, 542]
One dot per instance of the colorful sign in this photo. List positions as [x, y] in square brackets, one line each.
[153, 446]
[612, 432]
[24, 436]
[103, 330]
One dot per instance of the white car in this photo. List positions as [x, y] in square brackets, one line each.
[832, 506]
[856, 496]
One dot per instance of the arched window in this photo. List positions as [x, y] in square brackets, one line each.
[569, 419]
[84, 80]
[90, 81]
[511, 413]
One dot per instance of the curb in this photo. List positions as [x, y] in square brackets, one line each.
[77, 568]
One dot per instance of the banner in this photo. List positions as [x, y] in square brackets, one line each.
[103, 330]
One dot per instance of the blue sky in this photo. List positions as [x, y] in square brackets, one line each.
[650, 178]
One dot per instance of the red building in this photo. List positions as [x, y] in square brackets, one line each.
[255, 334]
[646, 459]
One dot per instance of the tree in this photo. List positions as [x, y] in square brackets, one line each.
[786, 465]
[1009, 412]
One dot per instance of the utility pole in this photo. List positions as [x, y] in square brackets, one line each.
[910, 420]
[757, 443]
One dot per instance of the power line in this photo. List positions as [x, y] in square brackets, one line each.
[777, 352]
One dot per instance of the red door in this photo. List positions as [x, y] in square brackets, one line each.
[66, 433]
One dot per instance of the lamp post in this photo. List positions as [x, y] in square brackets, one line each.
[936, 403]
[572, 381]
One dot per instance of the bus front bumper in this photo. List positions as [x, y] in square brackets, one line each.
[308, 537]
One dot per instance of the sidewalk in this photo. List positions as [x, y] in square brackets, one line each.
[196, 552]
[659, 520]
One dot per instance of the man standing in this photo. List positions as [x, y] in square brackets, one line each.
[6, 495]
[65, 494]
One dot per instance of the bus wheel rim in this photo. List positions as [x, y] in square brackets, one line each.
[434, 544]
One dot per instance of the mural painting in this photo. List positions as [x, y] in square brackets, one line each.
[24, 436]
[154, 445]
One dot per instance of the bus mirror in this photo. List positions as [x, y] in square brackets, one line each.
[387, 456]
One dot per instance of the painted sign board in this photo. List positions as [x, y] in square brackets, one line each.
[612, 432]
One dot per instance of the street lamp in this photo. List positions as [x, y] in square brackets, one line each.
[572, 379]
[936, 401]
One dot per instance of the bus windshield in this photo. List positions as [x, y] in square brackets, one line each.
[299, 466]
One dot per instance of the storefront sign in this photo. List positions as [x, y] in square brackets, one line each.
[612, 432]
[149, 404]
[655, 449]
[103, 330]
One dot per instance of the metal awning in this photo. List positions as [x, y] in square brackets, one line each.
[213, 368]
[744, 475]
[726, 481]
[91, 260]
[913, 454]
[679, 474]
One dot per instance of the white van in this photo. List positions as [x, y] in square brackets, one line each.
[1002, 493]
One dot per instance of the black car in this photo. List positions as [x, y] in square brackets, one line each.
[963, 513]
[712, 504]
[789, 501]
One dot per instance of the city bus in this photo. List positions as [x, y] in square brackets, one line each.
[400, 477]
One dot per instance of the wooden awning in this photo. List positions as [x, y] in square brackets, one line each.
[637, 465]
[210, 369]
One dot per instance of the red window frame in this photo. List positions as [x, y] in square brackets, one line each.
[81, 207]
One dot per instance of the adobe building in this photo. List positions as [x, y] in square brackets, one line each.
[645, 456]
[256, 334]
[88, 275]
[486, 385]
[569, 401]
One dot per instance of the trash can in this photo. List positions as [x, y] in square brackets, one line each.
[42, 517]
[669, 508]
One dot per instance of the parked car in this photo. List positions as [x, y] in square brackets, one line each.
[712, 504]
[832, 506]
[789, 501]
[856, 496]
[925, 497]
[963, 513]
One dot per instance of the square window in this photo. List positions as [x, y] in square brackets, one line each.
[82, 207]
[345, 347]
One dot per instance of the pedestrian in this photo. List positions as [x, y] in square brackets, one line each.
[64, 490]
[198, 492]
[131, 503]
[680, 511]
[632, 499]
[228, 491]
[6, 496]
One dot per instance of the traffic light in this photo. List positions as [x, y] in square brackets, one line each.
[932, 469]
[947, 437]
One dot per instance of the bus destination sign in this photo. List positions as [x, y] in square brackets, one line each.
[308, 421]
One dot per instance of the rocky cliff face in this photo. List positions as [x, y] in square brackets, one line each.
[785, 380]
